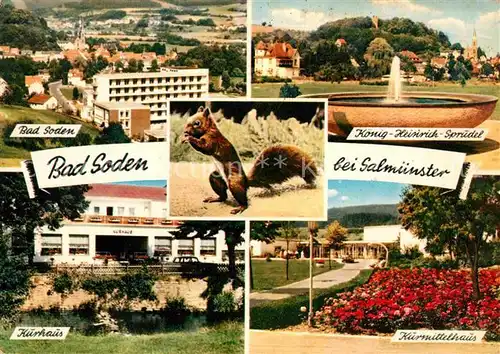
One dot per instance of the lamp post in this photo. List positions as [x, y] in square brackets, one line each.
[313, 228]
[386, 252]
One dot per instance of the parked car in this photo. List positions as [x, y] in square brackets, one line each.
[192, 265]
[348, 259]
[104, 255]
[186, 259]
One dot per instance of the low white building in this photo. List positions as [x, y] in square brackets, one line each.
[42, 101]
[120, 222]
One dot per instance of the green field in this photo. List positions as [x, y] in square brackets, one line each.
[224, 338]
[269, 275]
[11, 156]
[285, 313]
[269, 90]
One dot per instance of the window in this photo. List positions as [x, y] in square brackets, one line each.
[207, 247]
[79, 244]
[96, 210]
[131, 211]
[121, 211]
[164, 212]
[185, 247]
[51, 245]
[109, 211]
[163, 246]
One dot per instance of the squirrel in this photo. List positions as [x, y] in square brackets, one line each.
[274, 165]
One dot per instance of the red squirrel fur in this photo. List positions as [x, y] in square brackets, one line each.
[202, 133]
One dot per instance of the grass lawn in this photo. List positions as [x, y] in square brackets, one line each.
[269, 275]
[285, 313]
[67, 92]
[10, 156]
[224, 338]
[473, 86]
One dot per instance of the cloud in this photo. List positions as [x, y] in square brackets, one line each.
[332, 193]
[299, 19]
[407, 5]
[453, 27]
[344, 198]
[489, 18]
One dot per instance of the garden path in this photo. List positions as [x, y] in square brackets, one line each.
[321, 281]
[303, 342]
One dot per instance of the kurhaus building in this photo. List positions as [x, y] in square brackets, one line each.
[151, 89]
[123, 222]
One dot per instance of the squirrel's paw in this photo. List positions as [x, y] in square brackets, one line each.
[212, 200]
[185, 139]
[238, 210]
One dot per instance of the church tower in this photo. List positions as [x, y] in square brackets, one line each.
[474, 45]
[80, 36]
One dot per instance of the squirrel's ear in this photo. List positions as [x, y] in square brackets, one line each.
[206, 112]
[200, 109]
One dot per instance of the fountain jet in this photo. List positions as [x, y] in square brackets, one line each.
[394, 92]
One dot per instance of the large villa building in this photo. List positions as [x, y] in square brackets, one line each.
[277, 60]
[121, 223]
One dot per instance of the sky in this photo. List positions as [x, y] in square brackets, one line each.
[456, 18]
[343, 193]
[152, 183]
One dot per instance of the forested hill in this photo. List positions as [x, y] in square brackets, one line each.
[21, 29]
[364, 215]
[400, 33]
[360, 215]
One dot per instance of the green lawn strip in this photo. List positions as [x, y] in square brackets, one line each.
[10, 114]
[285, 313]
[224, 338]
[269, 275]
[273, 89]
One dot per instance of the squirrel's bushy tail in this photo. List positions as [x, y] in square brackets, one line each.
[279, 163]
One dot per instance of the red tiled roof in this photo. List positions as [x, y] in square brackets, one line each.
[411, 55]
[341, 41]
[127, 191]
[261, 46]
[439, 61]
[39, 99]
[30, 80]
[282, 50]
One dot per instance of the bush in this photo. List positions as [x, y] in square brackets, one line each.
[374, 83]
[289, 91]
[224, 303]
[271, 79]
[176, 308]
[63, 284]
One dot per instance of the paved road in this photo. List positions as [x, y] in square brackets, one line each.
[270, 342]
[321, 281]
[55, 90]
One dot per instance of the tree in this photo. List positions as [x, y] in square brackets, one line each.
[457, 46]
[288, 231]
[434, 73]
[233, 232]
[481, 53]
[289, 91]
[448, 222]
[336, 234]
[76, 93]
[379, 55]
[140, 66]
[154, 66]
[407, 65]
[487, 69]
[226, 80]
[112, 134]
[20, 215]
[14, 281]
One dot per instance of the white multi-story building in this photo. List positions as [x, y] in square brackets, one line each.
[123, 221]
[152, 89]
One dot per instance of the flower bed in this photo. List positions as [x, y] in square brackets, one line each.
[412, 299]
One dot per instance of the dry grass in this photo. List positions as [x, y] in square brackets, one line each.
[252, 136]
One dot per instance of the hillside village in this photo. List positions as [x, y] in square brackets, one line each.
[87, 66]
[362, 48]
